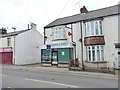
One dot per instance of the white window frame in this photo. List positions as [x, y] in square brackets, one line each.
[59, 32]
[89, 29]
[101, 48]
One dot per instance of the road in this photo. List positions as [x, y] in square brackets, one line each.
[13, 78]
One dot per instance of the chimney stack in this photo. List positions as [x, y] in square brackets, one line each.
[3, 31]
[33, 26]
[83, 10]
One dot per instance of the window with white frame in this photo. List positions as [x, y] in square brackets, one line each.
[95, 53]
[93, 28]
[59, 33]
[8, 41]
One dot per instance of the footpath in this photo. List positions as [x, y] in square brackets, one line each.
[38, 67]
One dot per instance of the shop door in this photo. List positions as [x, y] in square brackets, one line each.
[54, 58]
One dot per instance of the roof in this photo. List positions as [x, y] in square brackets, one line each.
[109, 11]
[13, 33]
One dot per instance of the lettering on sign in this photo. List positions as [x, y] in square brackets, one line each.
[6, 49]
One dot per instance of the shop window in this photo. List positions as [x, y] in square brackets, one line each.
[45, 54]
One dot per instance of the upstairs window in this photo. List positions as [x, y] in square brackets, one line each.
[93, 28]
[8, 42]
[59, 33]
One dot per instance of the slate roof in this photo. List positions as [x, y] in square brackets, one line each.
[13, 33]
[109, 11]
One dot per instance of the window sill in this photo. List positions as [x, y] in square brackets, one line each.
[94, 36]
[96, 61]
[58, 39]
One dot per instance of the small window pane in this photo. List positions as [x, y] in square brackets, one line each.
[93, 53]
[96, 28]
[98, 55]
[101, 47]
[93, 47]
[88, 29]
[89, 48]
[97, 47]
[102, 55]
[100, 27]
[89, 55]
[92, 28]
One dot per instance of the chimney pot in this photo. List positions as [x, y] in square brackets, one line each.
[83, 10]
[33, 26]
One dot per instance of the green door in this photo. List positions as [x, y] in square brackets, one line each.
[54, 57]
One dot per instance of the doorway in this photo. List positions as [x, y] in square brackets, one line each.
[54, 58]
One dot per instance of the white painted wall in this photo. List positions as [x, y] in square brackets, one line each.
[28, 47]
[48, 34]
[110, 30]
[76, 37]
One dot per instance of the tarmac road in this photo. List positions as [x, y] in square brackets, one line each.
[24, 78]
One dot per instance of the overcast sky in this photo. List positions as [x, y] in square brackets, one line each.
[19, 13]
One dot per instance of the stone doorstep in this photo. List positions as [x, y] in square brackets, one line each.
[46, 65]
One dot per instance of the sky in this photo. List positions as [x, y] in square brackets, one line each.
[19, 13]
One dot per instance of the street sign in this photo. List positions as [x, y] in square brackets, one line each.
[48, 47]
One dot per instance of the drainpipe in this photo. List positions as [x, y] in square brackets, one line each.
[14, 43]
[44, 36]
[83, 68]
[74, 43]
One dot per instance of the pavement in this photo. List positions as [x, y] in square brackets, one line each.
[38, 67]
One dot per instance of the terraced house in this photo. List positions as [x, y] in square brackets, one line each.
[20, 47]
[91, 36]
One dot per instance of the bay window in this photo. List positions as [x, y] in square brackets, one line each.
[95, 53]
[93, 28]
[59, 33]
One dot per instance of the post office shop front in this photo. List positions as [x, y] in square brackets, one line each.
[55, 54]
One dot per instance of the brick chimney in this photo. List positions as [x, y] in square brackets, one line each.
[83, 10]
[3, 31]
